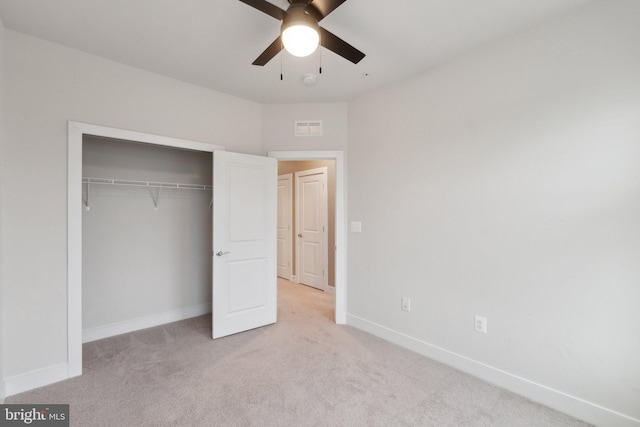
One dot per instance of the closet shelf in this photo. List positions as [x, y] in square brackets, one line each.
[152, 184]
[157, 186]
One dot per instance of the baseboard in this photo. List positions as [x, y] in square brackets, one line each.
[106, 331]
[563, 402]
[34, 379]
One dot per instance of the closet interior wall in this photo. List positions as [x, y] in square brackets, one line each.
[146, 253]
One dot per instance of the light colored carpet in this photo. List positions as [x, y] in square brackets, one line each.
[302, 371]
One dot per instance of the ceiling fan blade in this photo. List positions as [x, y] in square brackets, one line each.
[339, 46]
[268, 54]
[321, 8]
[266, 7]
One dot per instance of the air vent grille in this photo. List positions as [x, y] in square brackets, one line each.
[308, 128]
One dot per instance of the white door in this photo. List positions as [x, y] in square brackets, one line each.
[244, 242]
[285, 229]
[312, 227]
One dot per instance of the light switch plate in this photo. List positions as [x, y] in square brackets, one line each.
[356, 227]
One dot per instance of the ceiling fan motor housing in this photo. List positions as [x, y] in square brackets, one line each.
[297, 15]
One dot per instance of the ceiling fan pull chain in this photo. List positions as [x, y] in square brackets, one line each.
[320, 50]
[281, 55]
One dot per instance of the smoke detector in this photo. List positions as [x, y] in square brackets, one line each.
[309, 79]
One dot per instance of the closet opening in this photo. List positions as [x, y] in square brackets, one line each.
[146, 235]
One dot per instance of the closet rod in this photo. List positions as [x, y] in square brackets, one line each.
[108, 181]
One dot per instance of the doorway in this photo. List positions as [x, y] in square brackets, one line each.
[75, 136]
[337, 236]
[311, 222]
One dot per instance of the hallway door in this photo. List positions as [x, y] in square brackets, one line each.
[312, 228]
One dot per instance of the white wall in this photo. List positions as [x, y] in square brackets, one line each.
[142, 262]
[2, 180]
[47, 85]
[507, 184]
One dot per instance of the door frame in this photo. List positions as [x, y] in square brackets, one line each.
[325, 225]
[76, 132]
[340, 220]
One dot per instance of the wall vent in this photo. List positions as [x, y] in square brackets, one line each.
[308, 128]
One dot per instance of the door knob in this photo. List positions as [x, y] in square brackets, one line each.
[299, 234]
[220, 253]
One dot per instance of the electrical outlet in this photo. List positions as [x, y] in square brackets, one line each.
[406, 304]
[481, 324]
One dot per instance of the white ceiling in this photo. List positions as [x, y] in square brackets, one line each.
[212, 43]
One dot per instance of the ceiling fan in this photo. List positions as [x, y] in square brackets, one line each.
[300, 33]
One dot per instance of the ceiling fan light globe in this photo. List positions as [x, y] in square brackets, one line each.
[300, 40]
